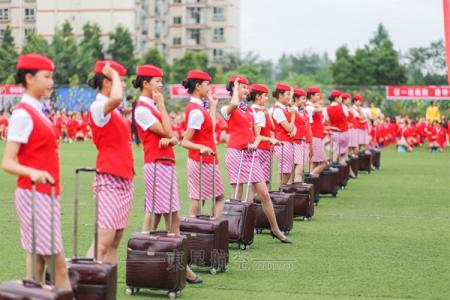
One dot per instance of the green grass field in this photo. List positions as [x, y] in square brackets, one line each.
[386, 236]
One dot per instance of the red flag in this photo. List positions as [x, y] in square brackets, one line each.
[447, 35]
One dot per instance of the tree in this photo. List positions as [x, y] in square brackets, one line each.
[342, 68]
[90, 50]
[426, 65]
[154, 57]
[36, 44]
[121, 48]
[65, 55]
[189, 61]
[8, 55]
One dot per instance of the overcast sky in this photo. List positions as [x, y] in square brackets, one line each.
[271, 27]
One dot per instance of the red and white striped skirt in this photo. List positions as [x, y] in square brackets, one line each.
[193, 171]
[232, 161]
[115, 201]
[353, 139]
[43, 222]
[318, 150]
[340, 141]
[301, 153]
[285, 157]
[265, 160]
[162, 181]
[363, 137]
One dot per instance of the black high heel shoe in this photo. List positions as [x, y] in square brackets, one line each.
[285, 241]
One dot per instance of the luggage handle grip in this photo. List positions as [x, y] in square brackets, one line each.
[31, 283]
[86, 170]
[213, 154]
[168, 159]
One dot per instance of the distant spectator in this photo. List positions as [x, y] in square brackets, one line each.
[433, 113]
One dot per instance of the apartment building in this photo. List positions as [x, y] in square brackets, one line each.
[20, 16]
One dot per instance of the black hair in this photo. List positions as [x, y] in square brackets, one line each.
[251, 97]
[96, 82]
[190, 84]
[129, 97]
[138, 83]
[276, 93]
[332, 98]
[21, 74]
[230, 86]
[309, 95]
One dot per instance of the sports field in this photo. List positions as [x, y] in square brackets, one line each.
[386, 236]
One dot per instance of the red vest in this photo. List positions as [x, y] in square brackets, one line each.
[40, 152]
[203, 136]
[337, 117]
[351, 117]
[302, 124]
[113, 142]
[356, 123]
[280, 133]
[317, 125]
[150, 140]
[265, 131]
[240, 128]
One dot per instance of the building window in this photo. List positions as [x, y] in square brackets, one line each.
[2, 33]
[217, 52]
[30, 14]
[176, 1]
[195, 35]
[29, 31]
[218, 33]
[4, 14]
[194, 15]
[176, 20]
[177, 41]
[218, 12]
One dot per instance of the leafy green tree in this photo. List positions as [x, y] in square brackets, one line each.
[90, 50]
[65, 54]
[121, 48]
[8, 55]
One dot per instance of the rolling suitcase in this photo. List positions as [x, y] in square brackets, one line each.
[157, 260]
[30, 288]
[365, 162]
[353, 161]
[343, 169]
[207, 237]
[376, 158]
[96, 280]
[303, 195]
[241, 215]
[283, 206]
[329, 181]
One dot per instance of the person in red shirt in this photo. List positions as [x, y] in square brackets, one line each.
[113, 184]
[4, 125]
[31, 154]
[302, 140]
[362, 124]
[242, 144]
[72, 127]
[432, 136]
[442, 136]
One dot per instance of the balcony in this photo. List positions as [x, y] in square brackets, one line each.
[31, 18]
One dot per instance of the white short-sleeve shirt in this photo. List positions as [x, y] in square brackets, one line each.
[21, 123]
[310, 109]
[97, 110]
[196, 118]
[260, 117]
[278, 113]
[144, 116]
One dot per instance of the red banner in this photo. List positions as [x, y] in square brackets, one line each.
[178, 91]
[447, 35]
[11, 89]
[418, 92]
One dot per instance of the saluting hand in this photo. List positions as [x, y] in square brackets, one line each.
[108, 71]
[41, 177]
[213, 100]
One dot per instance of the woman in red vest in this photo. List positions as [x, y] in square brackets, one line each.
[302, 140]
[351, 121]
[361, 119]
[319, 159]
[199, 140]
[241, 128]
[31, 153]
[155, 132]
[285, 130]
[113, 185]
[263, 128]
[337, 115]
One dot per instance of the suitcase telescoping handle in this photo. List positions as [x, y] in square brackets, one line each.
[303, 145]
[172, 177]
[52, 233]
[245, 149]
[213, 184]
[76, 204]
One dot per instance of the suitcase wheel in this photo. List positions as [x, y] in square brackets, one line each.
[258, 230]
[174, 294]
[334, 195]
[244, 246]
[130, 291]
[287, 231]
[213, 271]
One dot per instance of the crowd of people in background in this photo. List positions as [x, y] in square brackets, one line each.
[404, 132]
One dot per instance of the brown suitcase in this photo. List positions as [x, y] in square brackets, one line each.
[315, 181]
[207, 237]
[329, 182]
[30, 289]
[157, 260]
[283, 205]
[241, 215]
[354, 164]
[96, 280]
[343, 169]
[365, 162]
